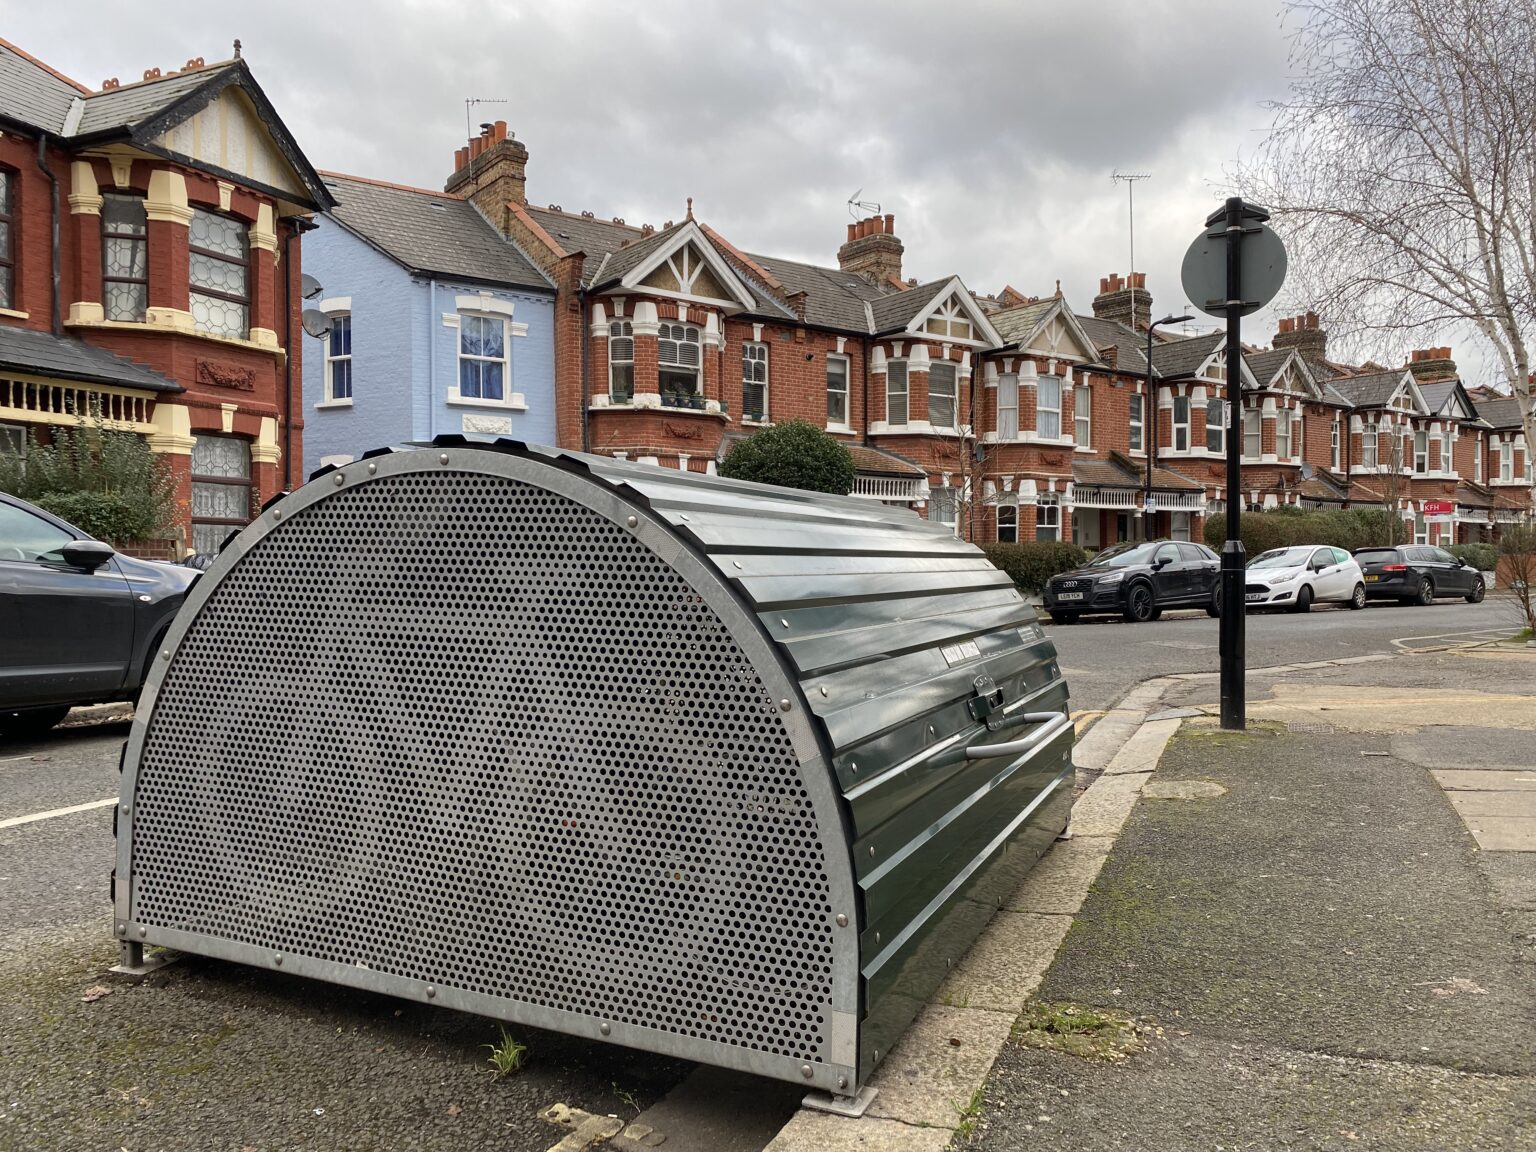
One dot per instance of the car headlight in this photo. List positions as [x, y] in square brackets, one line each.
[1112, 578]
[1285, 577]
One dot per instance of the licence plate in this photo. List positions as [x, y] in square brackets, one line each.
[1257, 596]
[1372, 579]
[1069, 595]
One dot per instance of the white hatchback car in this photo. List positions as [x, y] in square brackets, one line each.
[1295, 578]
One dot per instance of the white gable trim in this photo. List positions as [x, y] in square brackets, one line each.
[691, 233]
[1411, 386]
[1059, 310]
[979, 322]
[1250, 381]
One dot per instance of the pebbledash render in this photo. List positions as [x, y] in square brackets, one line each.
[1011, 417]
[168, 305]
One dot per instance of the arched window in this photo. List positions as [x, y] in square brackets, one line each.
[621, 362]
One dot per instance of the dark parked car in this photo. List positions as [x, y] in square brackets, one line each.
[1138, 580]
[1417, 574]
[79, 622]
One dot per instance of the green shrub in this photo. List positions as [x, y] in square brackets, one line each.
[793, 454]
[104, 482]
[1030, 565]
[1347, 528]
[1483, 557]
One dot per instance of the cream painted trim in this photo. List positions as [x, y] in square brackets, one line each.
[345, 402]
[485, 303]
[172, 434]
[84, 194]
[122, 170]
[264, 337]
[335, 304]
[265, 450]
[15, 315]
[263, 233]
[515, 401]
[86, 312]
[227, 417]
[62, 419]
[167, 199]
[171, 320]
[226, 195]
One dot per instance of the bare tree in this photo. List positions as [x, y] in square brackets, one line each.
[1402, 170]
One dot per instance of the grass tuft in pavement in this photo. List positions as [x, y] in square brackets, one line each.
[1093, 1033]
[507, 1057]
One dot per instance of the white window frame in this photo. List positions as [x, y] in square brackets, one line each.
[754, 356]
[1370, 454]
[1333, 444]
[1136, 411]
[456, 392]
[1180, 426]
[333, 362]
[676, 336]
[1420, 451]
[1420, 528]
[621, 338]
[1011, 526]
[950, 392]
[1506, 461]
[1082, 415]
[1253, 433]
[1477, 460]
[944, 508]
[1216, 404]
[1048, 516]
[1053, 410]
[1008, 406]
[1283, 442]
[844, 423]
[896, 371]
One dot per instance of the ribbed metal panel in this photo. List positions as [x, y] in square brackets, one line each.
[656, 758]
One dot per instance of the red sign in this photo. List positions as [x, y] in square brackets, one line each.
[1438, 508]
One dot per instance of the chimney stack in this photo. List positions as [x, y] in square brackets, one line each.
[1125, 299]
[872, 250]
[1304, 334]
[492, 170]
[1431, 364]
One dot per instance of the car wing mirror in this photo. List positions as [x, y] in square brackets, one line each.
[88, 555]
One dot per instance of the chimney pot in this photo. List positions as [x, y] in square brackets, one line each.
[1311, 319]
[501, 129]
[1103, 285]
[851, 229]
[890, 223]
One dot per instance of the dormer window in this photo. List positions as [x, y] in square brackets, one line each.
[678, 358]
[950, 320]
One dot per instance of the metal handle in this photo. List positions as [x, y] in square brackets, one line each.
[1050, 724]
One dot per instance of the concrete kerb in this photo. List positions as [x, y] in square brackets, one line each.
[928, 1082]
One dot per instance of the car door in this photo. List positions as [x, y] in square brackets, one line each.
[1349, 571]
[1201, 577]
[1169, 575]
[1458, 577]
[1326, 577]
[65, 634]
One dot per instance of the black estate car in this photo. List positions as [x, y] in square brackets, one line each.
[79, 622]
[1138, 579]
[1417, 574]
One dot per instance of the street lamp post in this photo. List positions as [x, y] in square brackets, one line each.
[1151, 401]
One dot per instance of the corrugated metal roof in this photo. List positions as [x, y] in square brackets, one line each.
[31, 93]
[66, 358]
[431, 232]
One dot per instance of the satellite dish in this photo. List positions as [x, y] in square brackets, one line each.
[316, 323]
[1307, 471]
[309, 287]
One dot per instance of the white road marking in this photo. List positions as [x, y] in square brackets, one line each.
[14, 821]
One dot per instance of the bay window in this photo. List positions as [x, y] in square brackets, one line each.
[1253, 434]
[1048, 516]
[1181, 423]
[621, 362]
[218, 273]
[1283, 434]
[754, 381]
[1215, 425]
[221, 489]
[1138, 421]
[1007, 523]
[1421, 451]
[7, 241]
[1082, 416]
[1368, 446]
[678, 359]
[896, 392]
[1333, 444]
[124, 258]
[942, 394]
[1048, 408]
[1008, 406]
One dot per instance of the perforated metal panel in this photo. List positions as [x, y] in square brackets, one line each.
[453, 728]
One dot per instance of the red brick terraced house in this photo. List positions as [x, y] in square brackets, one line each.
[149, 275]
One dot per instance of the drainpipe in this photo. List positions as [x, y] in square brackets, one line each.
[53, 181]
[297, 226]
[586, 388]
[864, 427]
[431, 358]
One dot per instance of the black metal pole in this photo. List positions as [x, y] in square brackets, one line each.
[1149, 420]
[1233, 561]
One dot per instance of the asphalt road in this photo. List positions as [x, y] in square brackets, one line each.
[1105, 658]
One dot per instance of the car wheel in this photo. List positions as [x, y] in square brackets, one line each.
[1213, 609]
[1357, 597]
[1303, 599]
[1140, 604]
[1064, 617]
[1426, 594]
[23, 722]
[1478, 592]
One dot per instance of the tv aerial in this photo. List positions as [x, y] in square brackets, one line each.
[856, 206]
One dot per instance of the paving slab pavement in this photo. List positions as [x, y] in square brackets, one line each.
[1323, 953]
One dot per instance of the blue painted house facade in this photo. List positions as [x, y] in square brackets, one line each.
[439, 324]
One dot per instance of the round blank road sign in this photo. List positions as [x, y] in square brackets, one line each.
[1205, 269]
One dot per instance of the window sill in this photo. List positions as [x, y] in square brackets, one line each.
[650, 402]
[513, 403]
[323, 404]
[745, 423]
[13, 314]
[145, 326]
[839, 429]
[1086, 451]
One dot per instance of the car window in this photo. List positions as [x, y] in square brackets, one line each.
[1122, 556]
[1281, 558]
[24, 536]
[1378, 556]
[1323, 557]
[1193, 553]
[1166, 552]
[1339, 556]
[1442, 556]
[1418, 555]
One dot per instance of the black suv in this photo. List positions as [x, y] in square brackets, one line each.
[1417, 574]
[1137, 580]
[79, 623]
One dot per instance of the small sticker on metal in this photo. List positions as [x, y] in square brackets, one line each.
[959, 653]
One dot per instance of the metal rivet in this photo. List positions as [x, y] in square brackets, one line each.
[122, 929]
[143, 932]
[930, 730]
[277, 513]
[871, 849]
[877, 1055]
[842, 1081]
[339, 479]
[605, 1028]
[431, 992]
[807, 1071]
[823, 689]
[126, 809]
[633, 521]
[372, 468]
[736, 563]
[877, 937]
[278, 959]
[783, 705]
[683, 518]
[443, 459]
[166, 655]
[783, 622]
[947, 961]
[842, 920]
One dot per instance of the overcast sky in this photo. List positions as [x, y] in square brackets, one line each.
[991, 130]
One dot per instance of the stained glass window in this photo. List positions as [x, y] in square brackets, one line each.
[219, 274]
[7, 248]
[482, 357]
[124, 257]
[221, 489]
